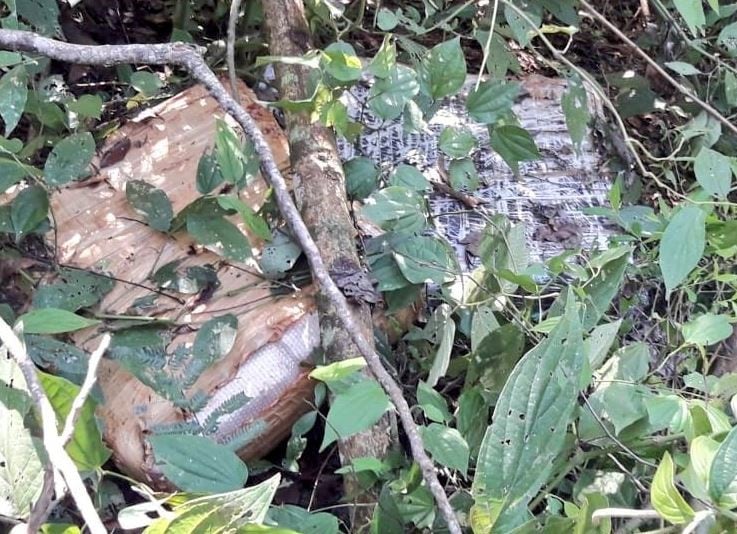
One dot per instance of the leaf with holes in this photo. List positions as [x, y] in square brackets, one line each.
[220, 235]
[13, 95]
[514, 144]
[389, 95]
[151, 202]
[425, 259]
[86, 447]
[443, 69]
[531, 419]
[447, 446]
[682, 245]
[29, 209]
[491, 101]
[70, 159]
[197, 464]
[713, 172]
[728, 39]
[75, 289]
[280, 255]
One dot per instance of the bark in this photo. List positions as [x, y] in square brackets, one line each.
[320, 191]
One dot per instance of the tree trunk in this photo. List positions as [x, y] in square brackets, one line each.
[319, 185]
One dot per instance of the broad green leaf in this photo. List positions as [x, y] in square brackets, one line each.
[696, 475]
[713, 172]
[70, 159]
[447, 446]
[531, 419]
[208, 173]
[86, 447]
[21, 469]
[388, 96]
[408, 176]
[728, 39]
[29, 209]
[197, 464]
[396, 208]
[12, 172]
[665, 497]
[151, 202]
[60, 528]
[280, 255]
[345, 420]
[388, 275]
[519, 26]
[599, 341]
[220, 235]
[53, 321]
[472, 418]
[361, 177]
[146, 83]
[681, 67]
[229, 154]
[288, 516]
[447, 328]
[432, 403]
[491, 101]
[425, 259]
[387, 518]
[88, 106]
[60, 359]
[42, 15]
[576, 110]
[707, 329]
[514, 144]
[341, 62]
[456, 143]
[13, 95]
[75, 289]
[385, 59]
[443, 69]
[215, 339]
[463, 175]
[723, 472]
[500, 59]
[730, 88]
[253, 221]
[386, 20]
[337, 371]
[188, 281]
[682, 245]
[601, 290]
[692, 12]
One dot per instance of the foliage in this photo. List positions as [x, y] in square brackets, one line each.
[601, 368]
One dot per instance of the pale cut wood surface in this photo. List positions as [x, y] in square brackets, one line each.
[98, 230]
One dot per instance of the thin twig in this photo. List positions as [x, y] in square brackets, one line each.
[235, 7]
[685, 91]
[58, 457]
[187, 57]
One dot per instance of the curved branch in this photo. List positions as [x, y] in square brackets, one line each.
[187, 57]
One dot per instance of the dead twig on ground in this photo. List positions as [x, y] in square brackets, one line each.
[189, 58]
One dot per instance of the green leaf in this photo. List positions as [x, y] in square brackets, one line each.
[728, 39]
[75, 289]
[576, 110]
[432, 403]
[29, 209]
[682, 245]
[389, 95]
[21, 469]
[302, 521]
[220, 235]
[408, 176]
[280, 255]
[361, 177]
[70, 159]
[12, 172]
[87, 107]
[341, 62]
[396, 209]
[707, 329]
[425, 259]
[229, 153]
[730, 89]
[521, 29]
[531, 419]
[345, 420]
[514, 144]
[53, 321]
[723, 472]
[447, 329]
[254, 222]
[692, 12]
[146, 83]
[456, 142]
[443, 69]
[386, 20]
[713, 172]
[384, 60]
[491, 101]
[602, 289]
[681, 67]
[447, 446]
[665, 497]
[337, 371]
[43, 15]
[86, 447]
[197, 464]
[151, 202]
[463, 175]
[208, 173]
[13, 96]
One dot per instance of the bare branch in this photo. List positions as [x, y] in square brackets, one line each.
[186, 57]
[52, 443]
